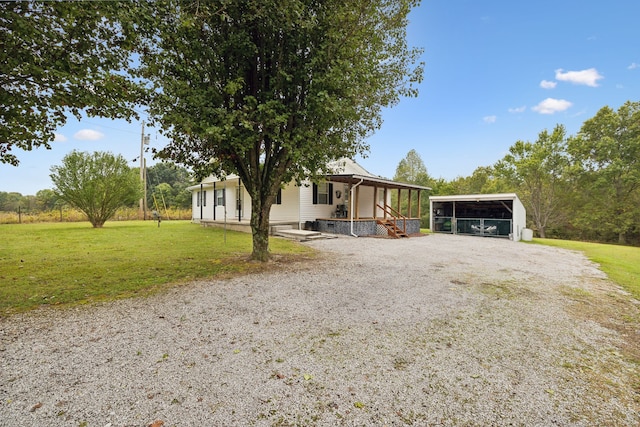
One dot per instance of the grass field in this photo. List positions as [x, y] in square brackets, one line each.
[620, 263]
[71, 263]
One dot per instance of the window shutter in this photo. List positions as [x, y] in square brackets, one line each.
[315, 193]
[330, 193]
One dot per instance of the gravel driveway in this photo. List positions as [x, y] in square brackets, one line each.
[435, 330]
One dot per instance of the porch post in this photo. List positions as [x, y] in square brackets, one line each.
[375, 202]
[419, 213]
[409, 205]
[385, 202]
[399, 194]
[214, 200]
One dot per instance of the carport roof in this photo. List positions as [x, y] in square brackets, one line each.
[474, 197]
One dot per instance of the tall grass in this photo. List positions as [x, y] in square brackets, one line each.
[69, 263]
[74, 215]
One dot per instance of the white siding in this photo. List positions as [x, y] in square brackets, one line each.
[289, 210]
[311, 212]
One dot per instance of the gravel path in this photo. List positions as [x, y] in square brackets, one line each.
[436, 330]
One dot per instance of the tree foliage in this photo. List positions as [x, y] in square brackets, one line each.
[61, 57]
[606, 158]
[412, 170]
[539, 170]
[483, 180]
[97, 184]
[275, 90]
[167, 186]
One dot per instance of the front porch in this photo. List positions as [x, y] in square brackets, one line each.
[372, 215]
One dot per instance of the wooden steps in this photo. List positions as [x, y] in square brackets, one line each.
[392, 228]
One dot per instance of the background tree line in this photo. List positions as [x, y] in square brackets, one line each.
[583, 187]
[166, 188]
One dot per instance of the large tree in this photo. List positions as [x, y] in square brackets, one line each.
[411, 169]
[97, 184]
[539, 171]
[274, 90]
[606, 155]
[61, 57]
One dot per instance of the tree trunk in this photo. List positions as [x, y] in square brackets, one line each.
[542, 233]
[260, 230]
[622, 238]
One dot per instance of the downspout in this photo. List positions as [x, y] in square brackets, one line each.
[351, 210]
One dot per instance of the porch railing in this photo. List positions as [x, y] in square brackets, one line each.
[395, 215]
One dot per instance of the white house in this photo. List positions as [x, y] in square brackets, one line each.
[349, 201]
[496, 215]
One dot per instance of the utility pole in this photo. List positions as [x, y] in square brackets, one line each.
[144, 140]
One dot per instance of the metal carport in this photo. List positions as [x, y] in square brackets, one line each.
[489, 215]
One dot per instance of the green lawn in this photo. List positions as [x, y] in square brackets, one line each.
[70, 263]
[620, 263]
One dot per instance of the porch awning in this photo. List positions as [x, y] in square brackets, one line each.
[374, 182]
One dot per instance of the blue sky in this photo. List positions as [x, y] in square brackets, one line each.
[496, 72]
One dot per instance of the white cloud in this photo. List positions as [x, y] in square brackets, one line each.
[518, 109]
[489, 119]
[546, 84]
[88, 135]
[551, 106]
[58, 137]
[588, 77]
[633, 66]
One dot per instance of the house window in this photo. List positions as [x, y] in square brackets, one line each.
[201, 199]
[323, 193]
[279, 197]
[219, 197]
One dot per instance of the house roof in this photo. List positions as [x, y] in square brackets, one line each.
[346, 171]
[349, 172]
